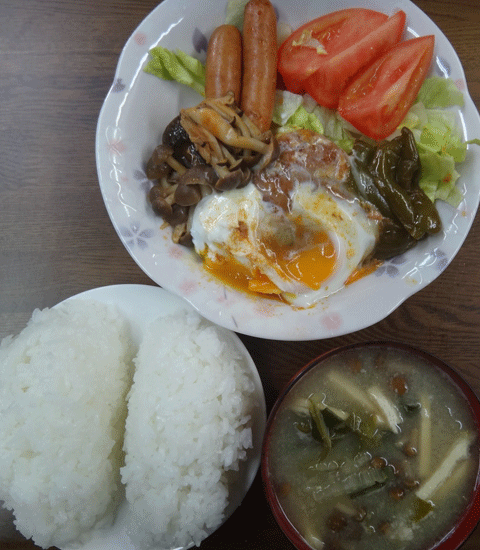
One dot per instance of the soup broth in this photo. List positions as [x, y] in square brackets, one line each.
[373, 450]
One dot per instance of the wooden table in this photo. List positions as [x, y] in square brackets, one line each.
[57, 61]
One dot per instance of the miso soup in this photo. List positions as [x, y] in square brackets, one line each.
[374, 449]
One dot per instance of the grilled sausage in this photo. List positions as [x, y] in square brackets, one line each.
[224, 63]
[259, 62]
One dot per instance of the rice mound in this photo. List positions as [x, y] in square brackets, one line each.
[188, 428]
[63, 386]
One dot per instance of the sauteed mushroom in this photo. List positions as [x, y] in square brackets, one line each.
[189, 185]
[198, 175]
[187, 195]
[162, 163]
[164, 205]
[212, 147]
[227, 140]
[184, 150]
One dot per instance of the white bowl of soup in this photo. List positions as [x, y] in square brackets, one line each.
[374, 446]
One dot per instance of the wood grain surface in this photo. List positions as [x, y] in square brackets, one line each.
[57, 62]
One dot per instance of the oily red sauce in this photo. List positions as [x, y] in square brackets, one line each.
[304, 157]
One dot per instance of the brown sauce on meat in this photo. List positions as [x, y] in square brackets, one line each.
[305, 157]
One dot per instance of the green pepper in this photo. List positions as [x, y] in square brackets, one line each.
[408, 176]
[393, 241]
[410, 167]
[413, 208]
[361, 179]
[363, 151]
[384, 165]
[386, 174]
[429, 216]
[363, 186]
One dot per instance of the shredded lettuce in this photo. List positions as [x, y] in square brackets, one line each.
[437, 134]
[438, 92]
[434, 125]
[303, 119]
[439, 177]
[285, 107]
[301, 111]
[438, 138]
[335, 127]
[234, 13]
[179, 66]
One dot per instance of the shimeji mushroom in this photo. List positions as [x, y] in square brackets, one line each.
[227, 140]
[163, 203]
[172, 197]
[162, 158]
[189, 185]
[228, 144]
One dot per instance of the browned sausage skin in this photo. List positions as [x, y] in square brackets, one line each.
[224, 63]
[259, 62]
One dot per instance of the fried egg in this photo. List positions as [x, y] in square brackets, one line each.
[294, 231]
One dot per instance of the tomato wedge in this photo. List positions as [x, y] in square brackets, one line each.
[331, 78]
[377, 100]
[312, 44]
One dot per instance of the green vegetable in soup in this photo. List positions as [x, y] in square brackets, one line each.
[421, 509]
[321, 428]
[370, 463]
[348, 480]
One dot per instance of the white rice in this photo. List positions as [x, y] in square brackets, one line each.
[63, 382]
[188, 426]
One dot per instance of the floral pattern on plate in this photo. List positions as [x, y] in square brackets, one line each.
[132, 119]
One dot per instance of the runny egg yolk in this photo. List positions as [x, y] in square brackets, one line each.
[294, 252]
[236, 275]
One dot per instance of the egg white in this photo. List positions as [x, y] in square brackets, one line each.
[353, 233]
[236, 223]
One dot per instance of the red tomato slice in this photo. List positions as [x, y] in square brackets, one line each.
[330, 79]
[307, 48]
[378, 99]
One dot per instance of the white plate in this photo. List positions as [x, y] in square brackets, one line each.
[141, 304]
[134, 115]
